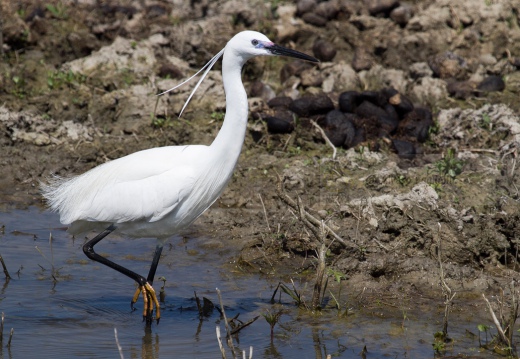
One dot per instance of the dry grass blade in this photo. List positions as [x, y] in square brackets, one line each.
[310, 218]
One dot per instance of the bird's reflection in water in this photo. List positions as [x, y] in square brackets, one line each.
[149, 346]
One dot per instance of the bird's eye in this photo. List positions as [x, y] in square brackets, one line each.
[254, 42]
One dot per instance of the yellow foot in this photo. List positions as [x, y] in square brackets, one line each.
[150, 300]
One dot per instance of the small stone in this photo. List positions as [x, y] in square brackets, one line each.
[170, 70]
[281, 122]
[383, 7]
[323, 50]
[447, 65]
[281, 102]
[368, 109]
[328, 9]
[416, 124]
[402, 104]
[305, 6]
[338, 128]
[264, 91]
[348, 101]
[312, 105]
[491, 84]
[314, 19]
[460, 89]
[311, 77]
[293, 68]
[404, 149]
[402, 14]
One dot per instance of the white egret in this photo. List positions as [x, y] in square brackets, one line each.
[157, 192]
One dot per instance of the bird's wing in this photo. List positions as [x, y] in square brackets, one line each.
[145, 185]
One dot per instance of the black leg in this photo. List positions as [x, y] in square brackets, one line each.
[88, 249]
[149, 296]
[155, 262]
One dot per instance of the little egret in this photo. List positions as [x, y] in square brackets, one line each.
[157, 192]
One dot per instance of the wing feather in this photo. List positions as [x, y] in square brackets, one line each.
[145, 185]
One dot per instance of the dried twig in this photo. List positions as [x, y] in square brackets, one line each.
[265, 212]
[501, 333]
[6, 272]
[334, 151]
[310, 218]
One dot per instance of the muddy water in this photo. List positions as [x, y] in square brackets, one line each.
[74, 315]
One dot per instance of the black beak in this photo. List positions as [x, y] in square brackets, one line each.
[283, 51]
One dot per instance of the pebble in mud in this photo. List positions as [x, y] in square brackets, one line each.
[324, 50]
[402, 14]
[312, 105]
[362, 116]
[293, 68]
[404, 149]
[447, 65]
[416, 124]
[381, 7]
[281, 122]
[491, 84]
[338, 128]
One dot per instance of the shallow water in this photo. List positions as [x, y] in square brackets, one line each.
[75, 315]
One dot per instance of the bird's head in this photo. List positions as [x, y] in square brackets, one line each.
[248, 44]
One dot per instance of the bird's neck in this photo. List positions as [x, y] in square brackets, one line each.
[231, 136]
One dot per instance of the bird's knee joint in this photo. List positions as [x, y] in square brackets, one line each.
[88, 250]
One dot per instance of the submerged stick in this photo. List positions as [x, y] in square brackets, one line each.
[501, 333]
[6, 272]
[2, 329]
[10, 338]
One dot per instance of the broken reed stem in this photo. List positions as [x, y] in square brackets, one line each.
[265, 212]
[2, 329]
[334, 150]
[501, 333]
[320, 275]
[6, 272]
[448, 297]
[228, 331]
[219, 339]
[10, 338]
[119, 348]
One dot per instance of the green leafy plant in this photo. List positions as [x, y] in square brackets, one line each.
[449, 165]
[59, 10]
[272, 319]
[56, 79]
[218, 116]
